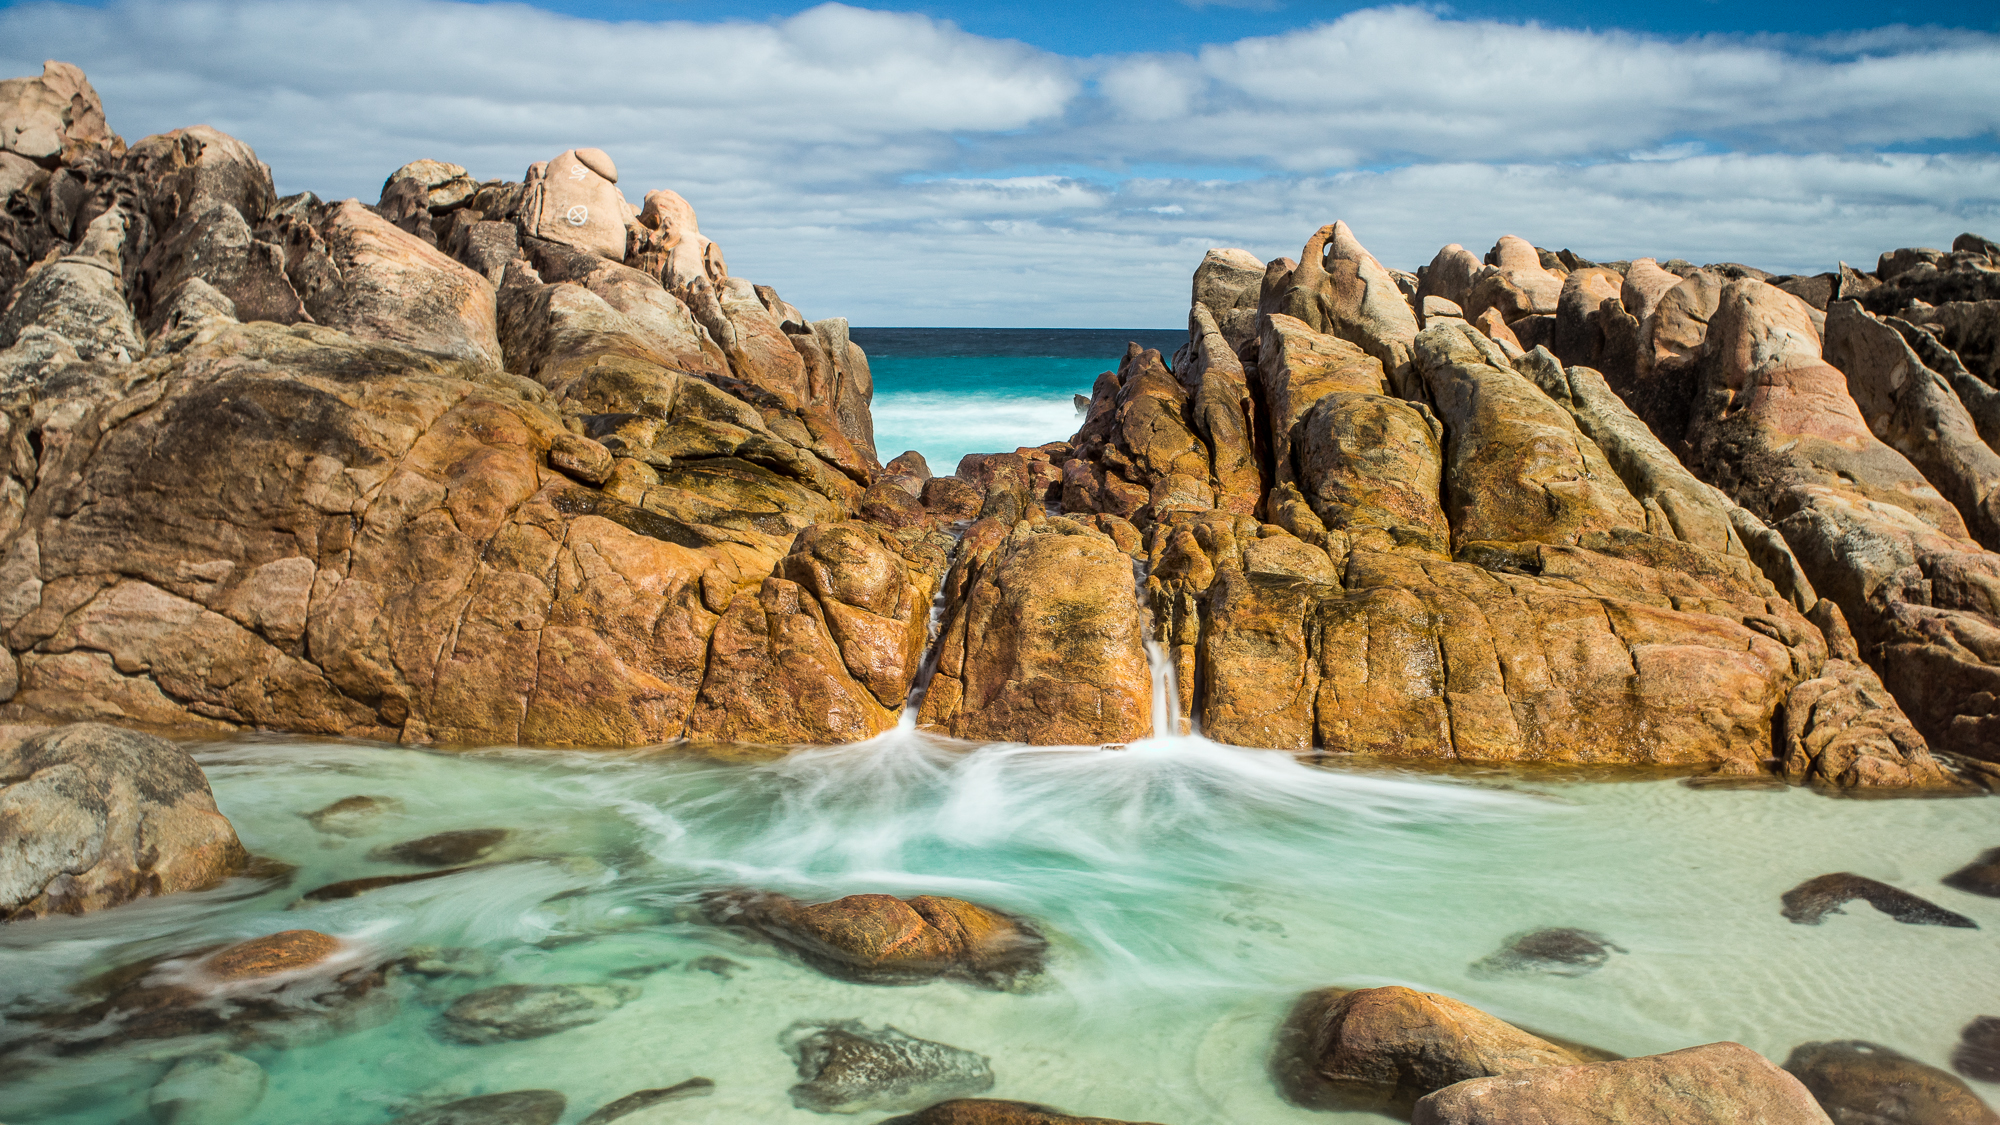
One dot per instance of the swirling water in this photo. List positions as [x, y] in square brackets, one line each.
[1191, 890]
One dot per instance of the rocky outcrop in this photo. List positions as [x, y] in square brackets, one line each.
[849, 1067]
[383, 472]
[881, 939]
[1718, 1084]
[1382, 1049]
[93, 816]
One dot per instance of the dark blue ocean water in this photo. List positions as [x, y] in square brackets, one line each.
[947, 392]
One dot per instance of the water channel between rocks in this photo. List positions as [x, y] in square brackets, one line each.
[1191, 891]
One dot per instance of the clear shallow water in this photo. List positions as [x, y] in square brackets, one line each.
[1191, 891]
[947, 392]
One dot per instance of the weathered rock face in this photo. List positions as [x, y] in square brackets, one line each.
[880, 939]
[1042, 640]
[1809, 902]
[53, 117]
[92, 816]
[1719, 1084]
[1382, 1049]
[410, 504]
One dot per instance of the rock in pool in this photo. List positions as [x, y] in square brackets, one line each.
[646, 1099]
[849, 1068]
[210, 1089]
[881, 939]
[1717, 1084]
[529, 1011]
[1861, 1083]
[1980, 877]
[1978, 1053]
[352, 816]
[1813, 899]
[445, 849]
[93, 816]
[990, 1111]
[516, 1107]
[275, 988]
[1381, 1049]
[349, 888]
[1559, 952]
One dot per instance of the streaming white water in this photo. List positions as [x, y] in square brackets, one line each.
[1166, 692]
[1190, 890]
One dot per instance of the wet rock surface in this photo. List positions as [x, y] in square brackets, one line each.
[1978, 1052]
[528, 1011]
[92, 816]
[988, 1111]
[209, 1089]
[881, 939]
[646, 1099]
[516, 1107]
[349, 888]
[1861, 1083]
[1561, 952]
[1382, 1049]
[443, 849]
[1811, 901]
[1717, 1084]
[849, 1067]
[1980, 877]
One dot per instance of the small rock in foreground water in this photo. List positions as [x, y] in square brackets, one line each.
[991, 1111]
[516, 1107]
[1814, 899]
[849, 1068]
[529, 1011]
[1860, 1083]
[445, 849]
[352, 816]
[211, 1089]
[1980, 877]
[646, 1099]
[1978, 1053]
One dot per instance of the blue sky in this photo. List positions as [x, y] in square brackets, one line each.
[1067, 164]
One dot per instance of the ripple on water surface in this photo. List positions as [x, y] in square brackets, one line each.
[1190, 891]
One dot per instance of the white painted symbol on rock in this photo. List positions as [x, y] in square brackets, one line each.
[578, 215]
[576, 172]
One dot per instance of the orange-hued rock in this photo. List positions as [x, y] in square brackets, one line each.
[92, 816]
[1778, 430]
[1381, 1049]
[54, 116]
[881, 939]
[285, 952]
[576, 201]
[1517, 286]
[1718, 1084]
[1296, 367]
[1042, 640]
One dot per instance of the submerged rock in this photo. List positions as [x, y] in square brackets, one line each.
[881, 939]
[1561, 952]
[849, 1067]
[1980, 877]
[445, 849]
[646, 1099]
[353, 816]
[1978, 1052]
[1718, 1084]
[349, 888]
[516, 1107]
[988, 1111]
[528, 1011]
[1381, 1049]
[1810, 901]
[210, 1089]
[1861, 1083]
[92, 816]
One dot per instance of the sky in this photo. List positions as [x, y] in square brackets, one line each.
[1067, 164]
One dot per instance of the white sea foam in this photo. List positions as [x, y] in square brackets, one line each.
[945, 426]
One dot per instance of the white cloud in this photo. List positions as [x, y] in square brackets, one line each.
[896, 169]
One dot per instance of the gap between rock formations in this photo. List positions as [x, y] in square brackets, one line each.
[522, 462]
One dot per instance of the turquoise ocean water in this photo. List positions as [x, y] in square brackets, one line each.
[947, 392]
